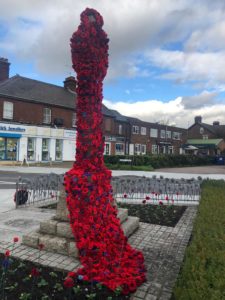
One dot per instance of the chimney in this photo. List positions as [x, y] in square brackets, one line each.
[198, 119]
[70, 83]
[4, 69]
[216, 123]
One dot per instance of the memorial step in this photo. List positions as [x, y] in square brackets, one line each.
[67, 246]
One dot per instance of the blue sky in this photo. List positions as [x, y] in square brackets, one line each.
[166, 58]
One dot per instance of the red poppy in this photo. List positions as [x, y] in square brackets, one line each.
[68, 283]
[41, 246]
[15, 239]
[144, 201]
[160, 202]
[7, 253]
[147, 198]
[35, 272]
[125, 196]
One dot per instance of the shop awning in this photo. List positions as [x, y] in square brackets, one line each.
[10, 135]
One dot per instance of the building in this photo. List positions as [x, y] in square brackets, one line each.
[205, 139]
[37, 119]
[38, 124]
[155, 138]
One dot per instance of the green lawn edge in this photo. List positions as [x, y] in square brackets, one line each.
[202, 275]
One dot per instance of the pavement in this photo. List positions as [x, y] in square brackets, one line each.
[163, 247]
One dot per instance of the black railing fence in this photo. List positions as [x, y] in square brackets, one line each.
[129, 189]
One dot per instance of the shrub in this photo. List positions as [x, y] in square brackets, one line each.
[202, 274]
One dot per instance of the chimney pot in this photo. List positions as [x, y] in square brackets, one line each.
[198, 119]
[70, 83]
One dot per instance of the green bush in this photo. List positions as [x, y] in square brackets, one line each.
[202, 274]
[159, 161]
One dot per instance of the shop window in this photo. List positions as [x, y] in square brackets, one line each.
[74, 119]
[153, 132]
[31, 149]
[120, 129]
[2, 148]
[119, 148]
[11, 149]
[58, 149]
[45, 149]
[8, 110]
[143, 130]
[47, 115]
[135, 129]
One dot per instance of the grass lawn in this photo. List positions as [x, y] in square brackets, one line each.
[203, 273]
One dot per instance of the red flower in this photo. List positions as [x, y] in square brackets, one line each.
[15, 239]
[7, 253]
[147, 198]
[125, 196]
[167, 198]
[68, 282]
[71, 274]
[35, 272]
[160, 202]
[144, 201]
[41, 247]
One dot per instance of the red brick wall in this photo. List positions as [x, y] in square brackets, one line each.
[32, 113]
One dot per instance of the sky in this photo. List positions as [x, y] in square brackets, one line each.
[166, 57]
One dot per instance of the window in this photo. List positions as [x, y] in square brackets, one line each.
[107, 149]
[31, 149]
[119, 148]
[154, 149]
[153, 132]
[45, 149]
[168, 134]
[74, 119]
[120, 129]
[143, 149]
[205, 137]
[139, 149]
[8, 110]
[58, 149]
[143, 130]
[162, 134]
[47, 115]
[170, 150]
[176, 135]
[201, 130]
[135, 129]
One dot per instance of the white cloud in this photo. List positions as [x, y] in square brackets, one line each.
[173, 111]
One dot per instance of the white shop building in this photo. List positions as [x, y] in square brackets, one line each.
[36, 143]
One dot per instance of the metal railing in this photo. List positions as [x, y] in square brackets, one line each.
[132, 189]
[35, 190]
[127, 189]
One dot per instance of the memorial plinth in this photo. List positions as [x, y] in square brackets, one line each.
[56, 234]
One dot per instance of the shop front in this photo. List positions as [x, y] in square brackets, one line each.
[9, 146]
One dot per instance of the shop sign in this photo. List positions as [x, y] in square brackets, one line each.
[12, 129]
[71, 134]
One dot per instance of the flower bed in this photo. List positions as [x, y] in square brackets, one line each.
[27, 281]
[166, 215]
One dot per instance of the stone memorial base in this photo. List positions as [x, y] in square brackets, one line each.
[56, 234]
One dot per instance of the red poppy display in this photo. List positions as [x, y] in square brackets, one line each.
[104, 252]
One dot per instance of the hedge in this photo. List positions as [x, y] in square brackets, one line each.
[202, 274]
[160, 161]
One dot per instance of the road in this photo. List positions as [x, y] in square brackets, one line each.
[8, 179]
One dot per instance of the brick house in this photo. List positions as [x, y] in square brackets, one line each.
[205, 138]
[38, 123]
[154, 138]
